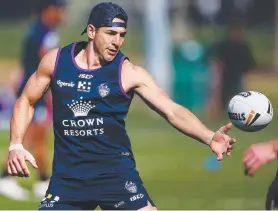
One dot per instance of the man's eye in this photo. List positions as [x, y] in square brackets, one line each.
[122, 34]
[111, 33]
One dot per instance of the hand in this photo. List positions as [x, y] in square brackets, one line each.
[257, 155]
[221, 143]
[16, 164]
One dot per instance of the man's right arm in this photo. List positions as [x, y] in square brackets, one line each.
[24, 110]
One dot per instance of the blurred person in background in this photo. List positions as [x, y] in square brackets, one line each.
[232, 59]
[92, 84]
[258, 155]
[40, 39]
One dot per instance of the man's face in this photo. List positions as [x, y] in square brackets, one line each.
[56, 15]
[109, 40]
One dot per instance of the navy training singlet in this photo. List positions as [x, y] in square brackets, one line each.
[89, 108]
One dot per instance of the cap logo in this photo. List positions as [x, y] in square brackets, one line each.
[118, 24]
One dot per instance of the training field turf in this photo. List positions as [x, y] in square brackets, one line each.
[172, 166]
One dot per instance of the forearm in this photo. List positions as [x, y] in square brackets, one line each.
[186, 122]
[22, 115]
[275, 145]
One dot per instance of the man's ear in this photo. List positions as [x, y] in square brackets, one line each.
[91, 31]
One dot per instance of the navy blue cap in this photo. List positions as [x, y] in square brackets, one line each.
[102, 15]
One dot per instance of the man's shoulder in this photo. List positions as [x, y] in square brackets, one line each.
[48, 61]
[131, 67]
[50, 55]
[134, 73]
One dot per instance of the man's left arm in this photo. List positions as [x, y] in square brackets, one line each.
[178, 116]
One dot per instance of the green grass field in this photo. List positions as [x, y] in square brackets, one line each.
[172, 165]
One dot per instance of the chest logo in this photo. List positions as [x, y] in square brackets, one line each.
[84, 86]
[85, 76]
[65, 84]
[103, 90]
[81, 107]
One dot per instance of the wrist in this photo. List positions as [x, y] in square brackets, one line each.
[15, 141]
[16, 147]
[208, 138]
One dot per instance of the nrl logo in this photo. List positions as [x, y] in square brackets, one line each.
[245, 94]
[103, 90]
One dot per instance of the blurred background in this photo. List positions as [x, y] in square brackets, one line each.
[201, 52]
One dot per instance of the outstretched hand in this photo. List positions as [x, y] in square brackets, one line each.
[221, 143]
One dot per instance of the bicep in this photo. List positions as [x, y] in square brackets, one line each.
[39, 82]
[36, 86]
[155, 97]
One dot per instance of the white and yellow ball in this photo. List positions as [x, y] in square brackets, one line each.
[250, 111]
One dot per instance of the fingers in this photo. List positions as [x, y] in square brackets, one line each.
[229, 149]
[251, 162]
[226, 128]
[9, 169]
[34, 164]
[24, 167]
[224, 142]
[16, 164]
[252, 170]
[29, 157]
[247, 155]
[232, 140]
[219, 156]
[18, 167]
[13, 169]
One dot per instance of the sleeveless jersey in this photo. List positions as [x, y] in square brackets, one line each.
[89, 110]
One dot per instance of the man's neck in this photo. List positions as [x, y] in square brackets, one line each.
[89, 58]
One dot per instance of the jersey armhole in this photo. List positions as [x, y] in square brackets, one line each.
[56, 63]
[126, 95]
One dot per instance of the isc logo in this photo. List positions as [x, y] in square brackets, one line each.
[85, 76]
[138, 196]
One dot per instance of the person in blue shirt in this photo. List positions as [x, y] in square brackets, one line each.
[92, 84]
[39, 40]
